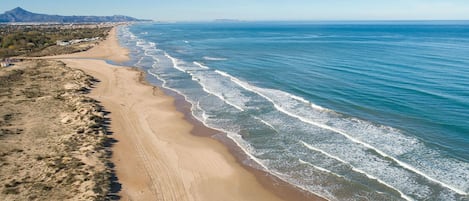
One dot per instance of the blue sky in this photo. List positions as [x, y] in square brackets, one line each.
[197, 10]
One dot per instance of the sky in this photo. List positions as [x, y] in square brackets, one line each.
[202, 10]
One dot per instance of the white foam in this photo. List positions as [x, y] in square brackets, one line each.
[203, 84]
[260, 91]
[175, 62]
[405, 165]
[126, 32]
[245, 147]
[146, 47]
[317, 107]
[139, 61]
[321, 169]
[266, 123]
[150, 53]
[157, 77]
[356, 169]
[323, 152]
[204, 115]
[218, 87]
[200, 65]
[140, 43]
[214, 58]
[253, 89]
[204, 88]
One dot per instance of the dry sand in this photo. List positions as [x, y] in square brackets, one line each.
[108, 49]
[156, 156]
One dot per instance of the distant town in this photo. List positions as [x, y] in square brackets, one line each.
[24, 33]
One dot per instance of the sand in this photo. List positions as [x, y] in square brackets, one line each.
[108, 49]
[51, 134]
[156, 157]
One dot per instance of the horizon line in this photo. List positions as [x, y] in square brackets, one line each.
[314, 21]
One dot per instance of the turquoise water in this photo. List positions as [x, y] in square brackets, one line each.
[364, 111]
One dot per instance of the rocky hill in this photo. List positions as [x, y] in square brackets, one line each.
[21, 15]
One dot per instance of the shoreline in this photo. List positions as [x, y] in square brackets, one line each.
[266, 185]
[271, 182]
[279, 187]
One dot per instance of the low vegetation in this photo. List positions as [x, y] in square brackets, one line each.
[53, 138]
[16, 40]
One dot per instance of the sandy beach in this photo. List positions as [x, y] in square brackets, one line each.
[222, 101]
[108, 49]
[156, 157]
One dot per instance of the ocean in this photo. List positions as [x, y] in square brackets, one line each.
[348, 111]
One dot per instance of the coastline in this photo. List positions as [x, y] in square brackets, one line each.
[175, 107]
[281, 188]
[162, 161]
[190, 164]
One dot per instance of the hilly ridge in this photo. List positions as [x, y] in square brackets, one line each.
[21, 15]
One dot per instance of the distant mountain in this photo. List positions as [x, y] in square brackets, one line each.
[21, 15]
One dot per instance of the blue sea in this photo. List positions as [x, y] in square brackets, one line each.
[348, 111]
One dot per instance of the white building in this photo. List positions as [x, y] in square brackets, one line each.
[62, 43]
[76, 41]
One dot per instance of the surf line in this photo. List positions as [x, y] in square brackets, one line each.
[405, 165]
[320, 168]
[266, 123]
[402, 164]
[176, 66]
[355, 169]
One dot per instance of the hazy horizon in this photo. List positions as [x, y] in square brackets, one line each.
[259, 10]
